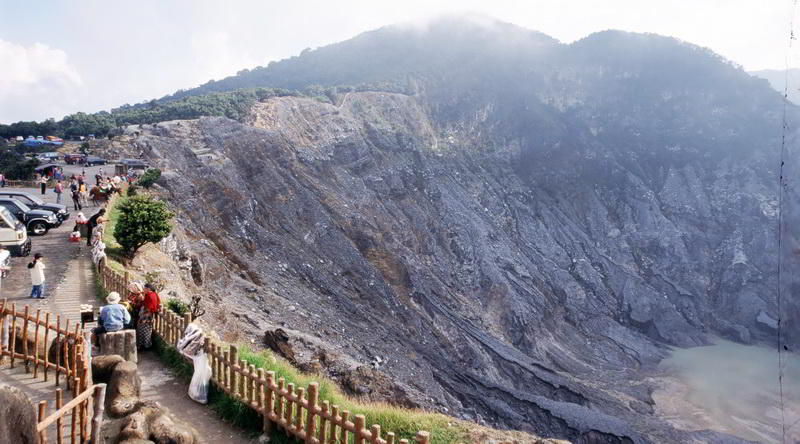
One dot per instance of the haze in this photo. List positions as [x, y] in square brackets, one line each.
[62, 57]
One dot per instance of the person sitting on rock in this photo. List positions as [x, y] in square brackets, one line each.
[113, 317]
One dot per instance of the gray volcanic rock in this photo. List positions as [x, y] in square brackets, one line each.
[517, 248]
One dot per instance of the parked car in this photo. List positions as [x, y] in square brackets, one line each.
[134, 164]
[73, 159]
[33, 201]
[93, 160]
[13, 235]
[38, 222]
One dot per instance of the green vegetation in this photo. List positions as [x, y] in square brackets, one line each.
[405, 423]
[233, 105]
[150, 177]
[114, 252]
[141, 219]
[177, 306]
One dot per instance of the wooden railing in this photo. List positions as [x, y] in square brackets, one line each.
[72, 360]
[296, 410]
[78, 409]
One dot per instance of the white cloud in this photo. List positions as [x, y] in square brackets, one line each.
[33, 78]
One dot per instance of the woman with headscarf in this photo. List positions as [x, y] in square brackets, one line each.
[135, 299]
[151, 304]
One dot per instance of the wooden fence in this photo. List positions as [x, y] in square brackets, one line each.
[23, 344]
[296, 410]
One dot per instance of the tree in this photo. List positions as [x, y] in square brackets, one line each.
[141, 220]
[150, 177]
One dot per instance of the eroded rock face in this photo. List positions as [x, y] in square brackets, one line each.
[17, 417]
[520, 259]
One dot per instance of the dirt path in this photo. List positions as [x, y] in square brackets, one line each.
[70, 282]
[161, 385]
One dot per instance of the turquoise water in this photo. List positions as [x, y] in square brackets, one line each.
[733, 388]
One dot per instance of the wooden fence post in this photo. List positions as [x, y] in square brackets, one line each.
[58, 347]
[335, 418]
[345, 415]
[359, 433]
[423, 437]
[59, 421]
[289, 413]
[232, 364]
[99, 406]
[46, 350]
[36, 344]
[42, 416]
[25, 339]
[375, 433]
[298, 416]
[269, 403]
[311, 423]
[13, 332]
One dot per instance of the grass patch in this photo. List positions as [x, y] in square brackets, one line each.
[405, 423]
[114, 252]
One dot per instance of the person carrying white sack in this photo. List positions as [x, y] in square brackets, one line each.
[191, 345]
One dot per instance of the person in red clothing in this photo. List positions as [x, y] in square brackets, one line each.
[151, 304]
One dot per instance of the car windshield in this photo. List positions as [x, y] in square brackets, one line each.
[28, 198]
[8, 216]
[21, 205]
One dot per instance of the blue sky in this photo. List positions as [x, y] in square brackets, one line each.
[59, 57]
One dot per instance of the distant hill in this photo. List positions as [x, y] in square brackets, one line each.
[777, 79]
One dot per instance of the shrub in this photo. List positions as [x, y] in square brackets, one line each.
[141, 220]
[150, 177]
[155, 279]
[177, 306]
[131, 190]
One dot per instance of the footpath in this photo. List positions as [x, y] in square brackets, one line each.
[70, 282]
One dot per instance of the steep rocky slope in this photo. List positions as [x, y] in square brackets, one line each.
[515, 244]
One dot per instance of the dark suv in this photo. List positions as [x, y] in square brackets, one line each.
[61, 211]
[38, 222]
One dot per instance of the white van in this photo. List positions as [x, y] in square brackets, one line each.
[13, 234]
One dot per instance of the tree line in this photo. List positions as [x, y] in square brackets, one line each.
[233, 105]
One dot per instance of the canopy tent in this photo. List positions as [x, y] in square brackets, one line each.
[45, 166]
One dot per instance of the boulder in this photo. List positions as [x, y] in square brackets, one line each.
[163, 430]
[122, 393]
[103, 366]
[17, 417]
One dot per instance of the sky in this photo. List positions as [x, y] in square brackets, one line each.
[60, 57]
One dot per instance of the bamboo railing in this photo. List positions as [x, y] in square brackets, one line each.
[296, 410]
[72, 360]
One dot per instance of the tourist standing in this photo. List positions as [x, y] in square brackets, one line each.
[2, 180]
[43, 183]
[37, 276]
[94, 221]
[59, 189]
[144, 325]
[76, 196]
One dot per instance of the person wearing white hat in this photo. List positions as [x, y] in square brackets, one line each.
[113, 316]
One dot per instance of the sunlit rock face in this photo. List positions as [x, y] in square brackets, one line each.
[516, 235]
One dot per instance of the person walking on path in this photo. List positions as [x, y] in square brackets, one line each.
[43, 183]
[94, 221]
[76, 196]
[37, 276]
[59, 189]
[2, 180]
[151, 304]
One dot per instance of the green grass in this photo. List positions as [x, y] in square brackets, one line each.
[114, 252]
[405, 423]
